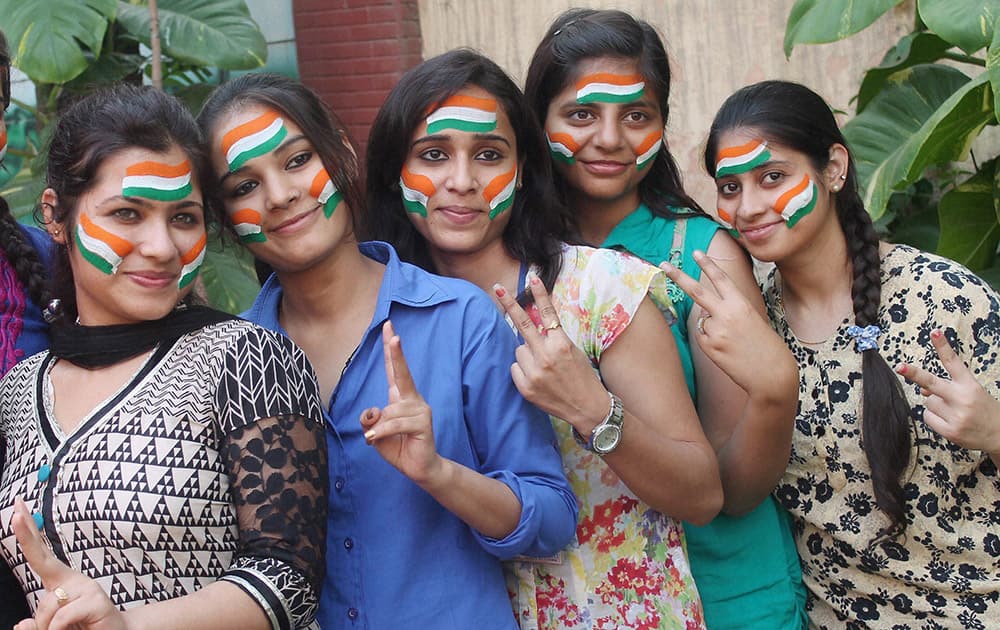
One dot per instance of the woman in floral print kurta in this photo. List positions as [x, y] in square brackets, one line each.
[892, 480]
[457, 208]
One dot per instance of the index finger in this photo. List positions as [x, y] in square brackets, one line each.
[704, 298]
[523, 322]
[957, 369]
[543, 302]
[41, 560]
[400, 369]
[720, 280]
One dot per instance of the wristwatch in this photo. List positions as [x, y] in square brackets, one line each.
[607, 435]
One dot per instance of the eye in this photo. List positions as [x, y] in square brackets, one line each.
[125, 214]
[580, 115]
[187, 218]
[489, 155]
[433, 155]
[298, 160]
[728, 188]
[772, 177]
[636, 117]
[244, 188]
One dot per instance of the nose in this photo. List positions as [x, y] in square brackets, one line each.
[461, 178]
[156, 241]
[608, 135]
[280, 192]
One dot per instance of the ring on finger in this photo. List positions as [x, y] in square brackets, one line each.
[551, 326]
[61, 595]
[701, 323]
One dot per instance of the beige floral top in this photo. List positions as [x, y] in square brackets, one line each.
[945, 571]
[627, 567]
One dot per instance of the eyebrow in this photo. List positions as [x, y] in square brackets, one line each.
[280, 147]
[763, 165]
[441, 137]
[146, 203]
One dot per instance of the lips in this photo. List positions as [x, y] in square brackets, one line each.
[152, 279]
[759, 232]
[605, 167]
[295, 223]
[460, 215]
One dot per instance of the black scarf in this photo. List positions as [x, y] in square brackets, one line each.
[94, 347]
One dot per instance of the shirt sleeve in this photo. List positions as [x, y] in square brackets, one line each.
[513, 441]
[274, 449]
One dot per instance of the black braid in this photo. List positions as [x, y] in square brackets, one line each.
[22, 256]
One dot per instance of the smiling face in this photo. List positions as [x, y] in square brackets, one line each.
[605, 129]
[771, 197]
[461, 173]
[276, 192]
[137, 237]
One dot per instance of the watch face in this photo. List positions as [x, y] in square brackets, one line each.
[607, 438]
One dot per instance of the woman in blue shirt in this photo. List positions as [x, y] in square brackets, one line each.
[439, 468]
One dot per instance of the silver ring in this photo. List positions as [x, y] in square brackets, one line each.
[61, 595]
[701, 323]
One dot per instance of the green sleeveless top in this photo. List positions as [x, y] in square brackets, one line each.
[746, 568]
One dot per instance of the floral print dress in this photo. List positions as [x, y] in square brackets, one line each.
[944, 571]
[627, 567]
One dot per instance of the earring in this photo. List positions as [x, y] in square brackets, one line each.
[52, 311]
[518, 186]
[843, 177]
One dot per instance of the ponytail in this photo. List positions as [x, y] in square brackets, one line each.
[22, 256]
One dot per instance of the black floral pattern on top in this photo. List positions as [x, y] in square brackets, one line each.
[945, 571]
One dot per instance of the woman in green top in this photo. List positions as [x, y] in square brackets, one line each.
[600, 81]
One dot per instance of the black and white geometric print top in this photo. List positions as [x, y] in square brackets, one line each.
[944, 571]
[209, 464]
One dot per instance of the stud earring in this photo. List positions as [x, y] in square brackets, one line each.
[843, 177]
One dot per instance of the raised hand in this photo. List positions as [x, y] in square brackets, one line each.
[72, 600]
[958, 407]
[550, 371]
[402, 430]
[729, 330]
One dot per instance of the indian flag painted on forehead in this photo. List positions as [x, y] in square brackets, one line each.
[253, 139]
[191, 262]
[647, 149]
[605, 87]
[741, 159]
[499, 193]
[464, 113]
[797, 202]
[158, 181]
[100, 247]
[325, 192]
[246, 222]
[417, 190]
[562, 146]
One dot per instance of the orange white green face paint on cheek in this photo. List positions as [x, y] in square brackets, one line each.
[100, 247]
[647, 149]
[157, 181]
[191, 262]
[246, 222]
[741, 159]
[417, 191]
[3, 143]
[463, 113]
[253, 139]
[605, 87]
[323, 190]
[499, 193]
[727, 222]
[562, 147]
[797, 202]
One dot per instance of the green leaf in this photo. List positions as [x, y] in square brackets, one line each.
[925, 115]
[967, 24]
[913, 49]
[991, 276]
[220, 33]
[46, 37]
[969, 228]
[228, 277]
[822, 21]
[993, 68]
[109, 68]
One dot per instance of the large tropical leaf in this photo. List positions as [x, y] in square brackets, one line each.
[49, 39]
[967, 24]
[969, 228]
[219, 33]
[911, 50]
[925, 115]
[822, 21]
[993, 67]
[228, 277]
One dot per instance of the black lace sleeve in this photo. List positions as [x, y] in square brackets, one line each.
[274, 447]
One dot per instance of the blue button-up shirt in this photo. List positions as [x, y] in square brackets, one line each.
[395, 557]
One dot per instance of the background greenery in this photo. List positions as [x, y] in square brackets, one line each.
[918, 116]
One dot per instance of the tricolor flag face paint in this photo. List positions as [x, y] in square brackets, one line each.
[797, 202]
[325, 192]
[246, 222]
[647, 150]
[253, 139]
[727, 222]
[417, 190]
[192, 262]
[99, 247]
[563, 147]
[499, 193]
[3, 143]
[741, 159]
[605, 87]
[464, 113]
[157, 181]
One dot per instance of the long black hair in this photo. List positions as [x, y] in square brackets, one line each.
[538, 221]
[95, 128]
[793, 115]
[581, 34]
[13, 244]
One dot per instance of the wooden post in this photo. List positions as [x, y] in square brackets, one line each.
[154, 44]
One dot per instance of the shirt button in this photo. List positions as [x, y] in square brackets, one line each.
[43, 473]
[39, 519]
[348, 543]
[352, 613]
[339, 484]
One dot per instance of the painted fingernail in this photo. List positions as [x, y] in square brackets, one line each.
[901, 368]
[666, 266]
[370, 435]
[499, 290]
[535, 281]
[936, 334]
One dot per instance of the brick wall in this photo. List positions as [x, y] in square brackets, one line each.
[352, 52]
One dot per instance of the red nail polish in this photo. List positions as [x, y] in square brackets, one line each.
[499, 290]
[535, 281]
